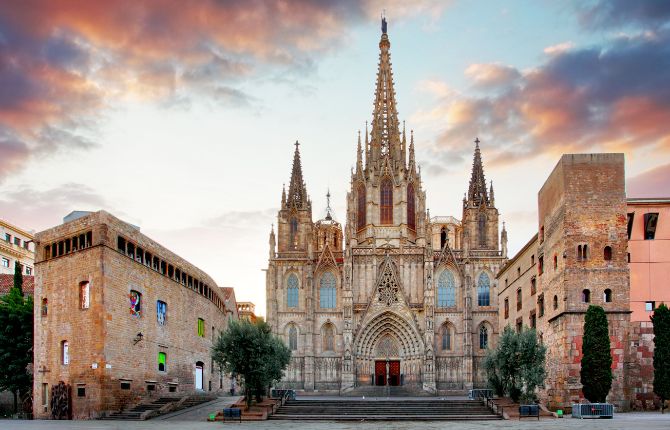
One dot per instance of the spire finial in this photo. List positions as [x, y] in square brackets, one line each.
[384, 23]
[328, 215]
[477, 142]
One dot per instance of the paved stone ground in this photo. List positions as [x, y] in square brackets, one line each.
[648, 421]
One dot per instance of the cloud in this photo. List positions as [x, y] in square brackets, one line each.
[558, 48]
[64, 64]
[616, 13]
[612, 98]
[652, 183]
[492, 75]
[34, 209]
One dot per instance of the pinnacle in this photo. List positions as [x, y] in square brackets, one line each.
[297, 193]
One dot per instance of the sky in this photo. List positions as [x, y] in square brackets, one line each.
[180, 116]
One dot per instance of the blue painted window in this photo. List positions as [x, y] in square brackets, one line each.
[161, 312]
[484, 290]
[446, 290]
[328, 291]
[292, 291]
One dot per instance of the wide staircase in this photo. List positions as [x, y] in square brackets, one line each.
[135, 413]
[417, 409]
[388, 391]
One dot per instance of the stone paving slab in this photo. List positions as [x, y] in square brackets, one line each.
[622, 421]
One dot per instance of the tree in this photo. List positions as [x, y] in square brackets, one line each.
[16, 343]
[661, 321]
[253, 352]
[18, 276]
[596, 372]
[516, 366]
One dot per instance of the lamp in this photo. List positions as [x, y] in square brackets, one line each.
[138, 338]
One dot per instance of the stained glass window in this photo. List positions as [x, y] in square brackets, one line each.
[135, 303]
[292, 291]
[386, 215]
[483, 337]
[446, 338]
[328, 291]
[360, 216]
[411, 208]
[161, 312]
[446, 290]
[484, 290]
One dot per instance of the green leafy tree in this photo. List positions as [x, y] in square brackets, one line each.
[253, 352]
[18, 276]
[661, 321]
[16, 342]
[596, 372]
[516, 367]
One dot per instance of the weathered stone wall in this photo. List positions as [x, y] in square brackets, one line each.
[641, 367]
[102, 347]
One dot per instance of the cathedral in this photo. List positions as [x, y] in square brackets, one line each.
[394, 297]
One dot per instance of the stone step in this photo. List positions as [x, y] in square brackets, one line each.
[388, 417]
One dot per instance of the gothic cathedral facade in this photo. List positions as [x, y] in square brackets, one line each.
[395, 297]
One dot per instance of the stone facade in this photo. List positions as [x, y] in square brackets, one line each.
[578, 258]
[395, 297]
[91, 332]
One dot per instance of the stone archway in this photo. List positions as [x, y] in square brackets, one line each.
[388, 336]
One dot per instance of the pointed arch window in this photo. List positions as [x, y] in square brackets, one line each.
[483, 337]
[327, 291]
[293, 338]
[446, 290]
[443, 237]
[484, 290]
[292, 291]
[361, 213]
[482, 230]
[446, 338]
[293, 237]
[411, 208]
[328, 336]
[386, 209]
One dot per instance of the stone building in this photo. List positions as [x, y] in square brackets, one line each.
[393, 297]
[120, 318]
[578, 258]
[16, 244]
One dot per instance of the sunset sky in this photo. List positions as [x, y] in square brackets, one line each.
[180, 116]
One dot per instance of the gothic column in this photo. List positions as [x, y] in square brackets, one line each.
[347, 383]
[468, 380]
[309, 335]
[429, 383]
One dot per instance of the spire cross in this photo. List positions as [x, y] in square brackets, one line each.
[476, 141]
[296, 144]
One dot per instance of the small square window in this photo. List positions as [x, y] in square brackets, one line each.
[5, 262]
[172, 388]
[650, 306]
[17, 241]
[81, 391]
[151, 387]
[29, 270]
[8, 238]
[125, 385]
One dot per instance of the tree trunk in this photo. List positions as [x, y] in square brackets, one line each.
[16, 401]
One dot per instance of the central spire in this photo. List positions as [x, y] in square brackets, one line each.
[385, 124]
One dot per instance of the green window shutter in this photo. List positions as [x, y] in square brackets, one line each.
[161, 361]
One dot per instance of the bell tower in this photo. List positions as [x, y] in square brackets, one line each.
[480, 216]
